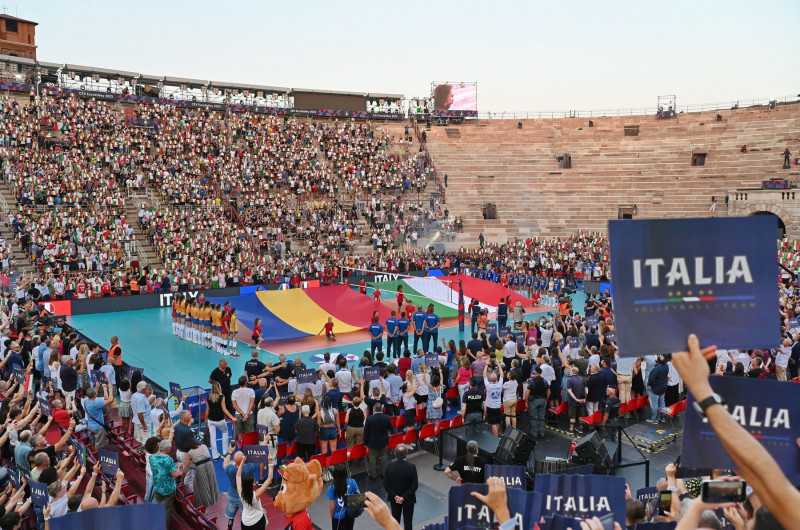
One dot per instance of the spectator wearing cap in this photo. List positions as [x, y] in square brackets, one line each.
[93, 405]
[140, 407]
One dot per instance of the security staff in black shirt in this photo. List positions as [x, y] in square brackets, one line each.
[611, 408]
[470, 467]
[472, 409]
[254, 368]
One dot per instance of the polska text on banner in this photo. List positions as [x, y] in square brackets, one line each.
[673, 277]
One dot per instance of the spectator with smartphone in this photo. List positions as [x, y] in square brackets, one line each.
[753, 462]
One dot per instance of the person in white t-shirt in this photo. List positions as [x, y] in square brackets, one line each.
[547, 336]
[510, 388]
[494, 403]
[782, 359]
[244, 399]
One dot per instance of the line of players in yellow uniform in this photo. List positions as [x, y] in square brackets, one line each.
[201, 322]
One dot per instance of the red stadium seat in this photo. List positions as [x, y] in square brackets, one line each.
[337, 457]
[357, 452]
[592, 419]
[249, 438]
[558, 412]
[457, 421]
[322, 459]
[395, 440]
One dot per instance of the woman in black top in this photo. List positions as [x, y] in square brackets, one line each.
[355, 423]
[306, 430]
[289, 416]
[217, 412]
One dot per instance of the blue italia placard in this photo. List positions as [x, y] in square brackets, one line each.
[715, 277]
[767, 408]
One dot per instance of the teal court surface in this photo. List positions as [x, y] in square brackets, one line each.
[147, 342]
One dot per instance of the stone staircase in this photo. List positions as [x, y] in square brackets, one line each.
[147, 254]
[24, 263]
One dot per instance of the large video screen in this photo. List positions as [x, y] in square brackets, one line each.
[455, 97]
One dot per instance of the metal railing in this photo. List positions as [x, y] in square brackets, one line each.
[430, 166]
[637, 111]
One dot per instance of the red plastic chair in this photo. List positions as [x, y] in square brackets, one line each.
[457, 421]
[558, 412]
[410, 437]
[445, 424]
[428, 431]
[322, 459]
[592, 419]
[337, 457]
[281, 451]
[249, 438]
[291, 450]
[421, 415]
[395, 440]
[673, 411]
[357, 452]
[342, 415]
[522, 405]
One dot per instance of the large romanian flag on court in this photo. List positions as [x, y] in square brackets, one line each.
[296, 313]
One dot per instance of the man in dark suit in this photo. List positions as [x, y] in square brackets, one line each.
[377, 429]
[401, 484]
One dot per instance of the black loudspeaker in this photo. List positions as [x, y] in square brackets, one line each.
[515, 448]
[592, 450]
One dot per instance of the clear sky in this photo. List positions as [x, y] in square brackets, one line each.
[524, 55]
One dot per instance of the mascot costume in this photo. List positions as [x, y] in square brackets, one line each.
[302, 484]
